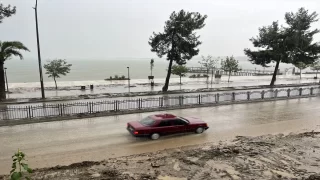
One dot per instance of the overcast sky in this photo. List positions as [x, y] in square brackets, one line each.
[106, 29]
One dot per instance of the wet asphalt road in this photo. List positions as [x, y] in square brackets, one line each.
[65, 142]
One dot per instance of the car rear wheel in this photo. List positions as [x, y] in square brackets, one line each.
[199, 130]
[155, 136]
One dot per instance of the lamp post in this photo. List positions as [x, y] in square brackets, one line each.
[128, 79]
[5, 75]
[39, 55]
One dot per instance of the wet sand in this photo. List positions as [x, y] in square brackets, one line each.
[95, 139]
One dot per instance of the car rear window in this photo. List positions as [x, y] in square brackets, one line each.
[147, 121]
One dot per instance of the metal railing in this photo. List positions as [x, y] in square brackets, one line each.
[147, 104]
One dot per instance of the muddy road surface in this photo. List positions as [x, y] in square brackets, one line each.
[95, 139]
[276, 157]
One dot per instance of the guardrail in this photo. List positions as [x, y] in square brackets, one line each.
[147, 104]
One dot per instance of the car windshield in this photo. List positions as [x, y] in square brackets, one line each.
[147, 121]
[184, 119]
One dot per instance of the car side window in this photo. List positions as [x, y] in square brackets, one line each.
[179, 122]
[164, 123]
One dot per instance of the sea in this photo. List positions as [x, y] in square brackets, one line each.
[25, 73]
[23, 76]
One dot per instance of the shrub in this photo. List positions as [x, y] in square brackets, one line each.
[18, 166]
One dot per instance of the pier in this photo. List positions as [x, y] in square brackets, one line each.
[244, 72]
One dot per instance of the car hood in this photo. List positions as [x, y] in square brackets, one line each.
[194, 120]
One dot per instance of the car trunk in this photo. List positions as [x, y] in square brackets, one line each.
[135, 125]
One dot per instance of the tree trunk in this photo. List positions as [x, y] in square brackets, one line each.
[166, 85]
[2, 83]
[300, 73]
[274, 76]
[207, 76]
[211, 77]
[229, 76]
[55, 82]
[180, 83]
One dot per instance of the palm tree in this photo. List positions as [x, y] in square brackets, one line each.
[7, 50]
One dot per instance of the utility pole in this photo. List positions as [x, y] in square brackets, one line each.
[39, 55]
[128, 78]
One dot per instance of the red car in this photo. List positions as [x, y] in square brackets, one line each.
[163, 124]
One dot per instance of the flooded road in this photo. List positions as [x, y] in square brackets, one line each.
[65, 142]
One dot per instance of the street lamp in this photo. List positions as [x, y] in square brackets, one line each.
[128, 79]
[39, 55]
[5, 75]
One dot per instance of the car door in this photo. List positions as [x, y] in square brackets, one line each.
[166, 127]
[180, 126]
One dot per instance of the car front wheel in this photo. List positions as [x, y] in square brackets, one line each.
[155, 136]
[199, 130]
